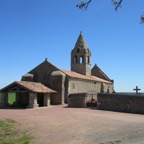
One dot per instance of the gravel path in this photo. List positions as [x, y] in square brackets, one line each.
[62, 125]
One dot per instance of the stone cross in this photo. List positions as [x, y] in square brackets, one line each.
[137, 89]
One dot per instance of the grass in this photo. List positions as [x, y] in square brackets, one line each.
[11, 98]
[10, 134]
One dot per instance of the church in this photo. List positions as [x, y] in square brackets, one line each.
[46, 84]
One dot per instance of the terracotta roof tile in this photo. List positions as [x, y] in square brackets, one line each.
[80, 76]
[29, 86]
[35, 87]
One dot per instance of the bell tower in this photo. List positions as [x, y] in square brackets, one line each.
[81, 57]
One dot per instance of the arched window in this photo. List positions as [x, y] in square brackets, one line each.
[81, 59]
[75, 60]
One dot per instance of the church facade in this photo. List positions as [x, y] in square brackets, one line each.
[47, 84]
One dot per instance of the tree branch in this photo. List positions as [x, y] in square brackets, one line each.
[117, 4]
[83, 4]
[142, 19]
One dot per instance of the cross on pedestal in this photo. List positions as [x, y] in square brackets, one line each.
[137, 89]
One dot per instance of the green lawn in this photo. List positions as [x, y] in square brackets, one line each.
[11, 98]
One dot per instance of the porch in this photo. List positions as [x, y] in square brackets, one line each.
[27, 95]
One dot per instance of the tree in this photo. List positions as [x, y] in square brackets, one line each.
[116, 3]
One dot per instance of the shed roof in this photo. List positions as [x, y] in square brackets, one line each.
[28, 86]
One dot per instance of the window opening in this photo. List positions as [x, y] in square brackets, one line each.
[81, 59]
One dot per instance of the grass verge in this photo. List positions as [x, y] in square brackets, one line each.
[10, 134]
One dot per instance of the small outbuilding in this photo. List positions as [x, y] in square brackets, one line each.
[28, 94]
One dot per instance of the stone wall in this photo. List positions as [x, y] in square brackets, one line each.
[58, 84]
[42, 73]
[81, 86]
[81, 68]
[77, 100]
[121, 102]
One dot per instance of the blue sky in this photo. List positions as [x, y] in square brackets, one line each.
[32, 30]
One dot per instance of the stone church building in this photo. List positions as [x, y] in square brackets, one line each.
[47, 84]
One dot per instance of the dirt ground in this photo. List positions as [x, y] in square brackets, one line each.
[62, 125]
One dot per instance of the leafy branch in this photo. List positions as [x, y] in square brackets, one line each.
[84, 5]
[116, 3]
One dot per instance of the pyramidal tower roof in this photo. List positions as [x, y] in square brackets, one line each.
[81, 42]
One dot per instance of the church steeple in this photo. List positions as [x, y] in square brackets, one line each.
[80, 57]
[81, 42]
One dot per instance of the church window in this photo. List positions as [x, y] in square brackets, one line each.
[75, 59]
[81, 59]
[78, 50]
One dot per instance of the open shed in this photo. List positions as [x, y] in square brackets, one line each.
[28, 94]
